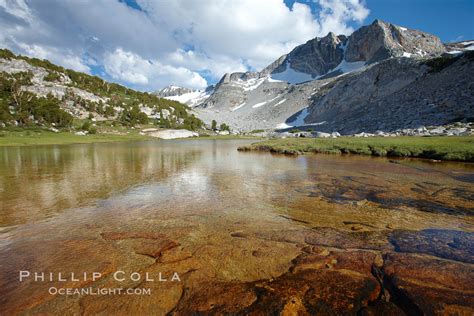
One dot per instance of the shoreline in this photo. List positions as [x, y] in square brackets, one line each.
[40, 137]
[446, 148]
[44, 137]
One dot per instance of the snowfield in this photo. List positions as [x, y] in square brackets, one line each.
[291, 76]
[192, 98]
[248, 85]
[280, 102]
[299, 120]
[237, 107]
[347, 67]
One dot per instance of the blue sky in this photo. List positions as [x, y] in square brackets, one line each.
[451, 20]
[148, 44]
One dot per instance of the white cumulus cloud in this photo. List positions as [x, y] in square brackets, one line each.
[130, 67]
[62, 57]
[335, 15]
[177, 42]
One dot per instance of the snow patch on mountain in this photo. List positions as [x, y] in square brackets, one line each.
[259, 104]
[346, 67]
[248, 85]
[291, 76]
[237, 107]
[191, 98]
[170, 89]
[265, 102]
[270, 79]
[468, 45]
[185, 95]
[280, 102]
[460, 47]
[283, 126]
[299, 120]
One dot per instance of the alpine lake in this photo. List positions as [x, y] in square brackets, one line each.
[197, 227]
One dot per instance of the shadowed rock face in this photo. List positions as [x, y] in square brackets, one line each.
[316, 57]
[394, 94]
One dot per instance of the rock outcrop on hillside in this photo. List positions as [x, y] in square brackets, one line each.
[42, 87]
[37, 92]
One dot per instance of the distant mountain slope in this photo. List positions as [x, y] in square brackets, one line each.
[171, 91]
[185, 95]
[287, 91]
[26, 84]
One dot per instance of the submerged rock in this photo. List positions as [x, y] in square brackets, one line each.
[448, 244]
[422, 285]
[327, 236]
[319, 282]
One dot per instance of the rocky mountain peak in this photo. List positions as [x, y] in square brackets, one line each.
[172, 90]
[316, 57]
[277, 63]
[335, 54]
[372, 43]
[282, 92]
[236, 76]
[332, 38]
[381, 40]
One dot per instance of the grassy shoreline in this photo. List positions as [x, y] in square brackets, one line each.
[44, 137]
[454, 148]
[36, 136]
[216, 137]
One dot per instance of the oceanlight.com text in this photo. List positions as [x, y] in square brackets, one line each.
[101, 291]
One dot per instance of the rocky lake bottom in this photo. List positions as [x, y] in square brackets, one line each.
[247, 233]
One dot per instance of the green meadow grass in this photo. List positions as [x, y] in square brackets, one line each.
[456, 148]
[28, 137]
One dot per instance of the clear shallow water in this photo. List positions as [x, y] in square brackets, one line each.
[41, 181]
[60, 205]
